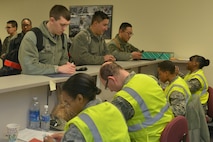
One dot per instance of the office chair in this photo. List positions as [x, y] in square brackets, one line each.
[210, 110]
[176, 131]
[210, 102]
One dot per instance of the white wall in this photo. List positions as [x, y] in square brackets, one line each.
[181, 26]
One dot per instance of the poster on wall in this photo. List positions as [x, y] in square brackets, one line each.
[81, 17]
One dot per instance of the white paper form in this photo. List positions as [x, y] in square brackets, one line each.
[28, 134]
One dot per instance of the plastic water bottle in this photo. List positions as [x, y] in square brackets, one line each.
[45, 119]
[34, 114]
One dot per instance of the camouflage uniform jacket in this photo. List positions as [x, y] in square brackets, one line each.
[88, 49]
[121, 49]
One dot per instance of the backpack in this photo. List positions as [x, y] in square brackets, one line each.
[11, 64]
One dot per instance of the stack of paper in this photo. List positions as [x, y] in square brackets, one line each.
[30, 135]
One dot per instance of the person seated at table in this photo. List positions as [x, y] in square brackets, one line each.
[140, 99]
[120, 47]
[91, 120]
[89, 47]
[196, 79]
[177, 91]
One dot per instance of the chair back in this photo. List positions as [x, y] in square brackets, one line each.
[176, 131]
[210, 102]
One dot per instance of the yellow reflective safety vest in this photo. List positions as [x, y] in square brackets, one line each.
[101, 123]
[152, 112]
[203, 91]
[179, 85]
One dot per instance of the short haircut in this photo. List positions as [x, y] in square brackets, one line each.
[167, 66]
[27, 20]
[13, 23]
[201, 60]
[124, 25]
[59, 10]
[110, 70]
[99, 16]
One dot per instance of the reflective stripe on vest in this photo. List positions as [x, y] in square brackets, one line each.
[149, 120]
[96, 135]
[187, 95]
[205, 88]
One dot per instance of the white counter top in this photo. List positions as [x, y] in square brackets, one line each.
[19, 82]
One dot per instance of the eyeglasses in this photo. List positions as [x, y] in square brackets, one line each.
[8, 27]
[66, 104]
[25, 25]
[107, 81]
[129, 33]
[106, 84]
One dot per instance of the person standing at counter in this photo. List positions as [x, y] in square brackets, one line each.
[140, 99]
[119, 46]
[196, 79]
[11, 27]
[10, 63]
[92, 120]
[89, 47]
[54, 57]
[26, 25]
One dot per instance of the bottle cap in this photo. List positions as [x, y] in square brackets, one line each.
[35, 98]
[46, 106]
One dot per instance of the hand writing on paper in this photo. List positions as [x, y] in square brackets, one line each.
[68, 68]
[56, 137]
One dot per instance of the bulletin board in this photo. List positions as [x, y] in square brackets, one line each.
[81, 17]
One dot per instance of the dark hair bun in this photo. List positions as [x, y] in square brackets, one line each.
[207, 62]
